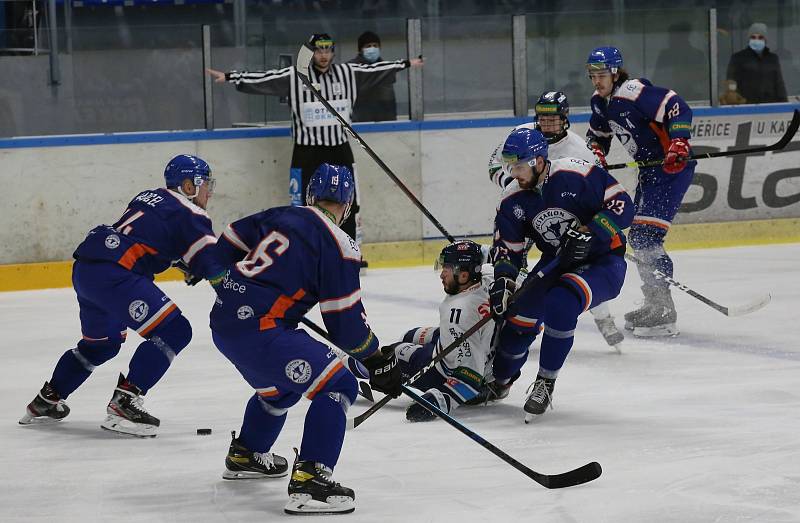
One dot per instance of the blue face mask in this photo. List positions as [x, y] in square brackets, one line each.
[371, 54]
[757, 45]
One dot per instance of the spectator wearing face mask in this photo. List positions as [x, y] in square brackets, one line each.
[755, 72]
[377, 103]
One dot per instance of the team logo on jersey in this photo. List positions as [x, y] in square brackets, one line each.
[138, 310]
[245, 312]
[519, 212]
[299, 371]
[625, 137]
[483, 310]
[552, 223]
[112, 241]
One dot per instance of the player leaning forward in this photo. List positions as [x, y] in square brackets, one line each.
[552, 119]
[572, 209]
[113, 279]
[653, 123]
[282, 262]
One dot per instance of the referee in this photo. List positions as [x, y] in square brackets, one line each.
[318, 135]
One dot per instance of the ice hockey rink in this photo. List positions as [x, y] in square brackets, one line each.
[703, 427]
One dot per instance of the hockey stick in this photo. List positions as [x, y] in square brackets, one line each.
[364, 389]
[727, 311]
[529, 282]
[578, 476]
[777, 146]
[304, 58]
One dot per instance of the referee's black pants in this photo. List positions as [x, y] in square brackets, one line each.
[309, 157]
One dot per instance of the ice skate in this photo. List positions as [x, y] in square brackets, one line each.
[312, 491]
[660, 319]
[126, 414]
[634, 315]
[540, 396]
[610, 332]
[243, 463]
[46, 407]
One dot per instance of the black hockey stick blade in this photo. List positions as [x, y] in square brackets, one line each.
[578, 476]
[791, 130]
[529, 282]
[366, 391]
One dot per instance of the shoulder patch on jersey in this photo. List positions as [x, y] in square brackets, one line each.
[629, 90]
[183, 200]
[347, 246]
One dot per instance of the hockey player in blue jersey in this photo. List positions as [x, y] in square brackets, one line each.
[572, 209]
[652, 123]
[281, 263]
[113, 279]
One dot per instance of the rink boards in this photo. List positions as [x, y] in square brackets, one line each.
[57, 188]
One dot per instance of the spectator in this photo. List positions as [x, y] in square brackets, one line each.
[757, 70]
[378, 103]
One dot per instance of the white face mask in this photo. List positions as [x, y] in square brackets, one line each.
[371, 54]
[757, 45]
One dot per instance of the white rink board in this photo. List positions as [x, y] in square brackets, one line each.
[724, 189]
[695, 429]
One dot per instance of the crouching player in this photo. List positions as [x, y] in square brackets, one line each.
[459, 377]
[113, 278]
[572, 209]
[282, 262]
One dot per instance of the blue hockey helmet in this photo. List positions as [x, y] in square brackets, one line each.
[552, 103]
[186, 166]
[463, 255]
[604, 59]
[523, 146]
[332, 183]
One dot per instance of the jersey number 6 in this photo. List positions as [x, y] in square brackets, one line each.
[259, 259]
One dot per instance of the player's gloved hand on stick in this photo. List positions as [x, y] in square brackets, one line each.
[575, 245]
[384, 373]
[677, 154]
[599, 155]
[188, 278]
[499, 294]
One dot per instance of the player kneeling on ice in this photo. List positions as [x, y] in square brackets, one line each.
[458, 378]
[552, 119]
[113, 278]
[281, 263]
[573, 210]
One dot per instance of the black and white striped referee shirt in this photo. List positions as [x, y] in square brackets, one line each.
[312, 124]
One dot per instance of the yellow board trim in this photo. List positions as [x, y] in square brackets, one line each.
[48, 275]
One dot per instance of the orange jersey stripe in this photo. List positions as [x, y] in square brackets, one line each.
[662, 135]
[651, 222]
[587, 295]
[134, 252]
[278, 310]
[324, 380]
[158, 320]
[515, 321]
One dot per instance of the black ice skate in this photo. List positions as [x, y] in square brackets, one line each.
[312, 491]
[540, 396]
[659, 320]
[126, 414]
[243, 463]
[499, 391]
[610, 332]
[46, 407]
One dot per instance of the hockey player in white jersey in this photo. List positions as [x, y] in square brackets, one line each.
[459, 377]
[552, 119]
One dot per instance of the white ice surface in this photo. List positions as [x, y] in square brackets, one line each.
[704, 427]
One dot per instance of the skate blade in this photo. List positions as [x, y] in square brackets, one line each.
[27, 419]
[303, 504]
[245, 474]
[129, 428]
[531, 417]
[662, 331]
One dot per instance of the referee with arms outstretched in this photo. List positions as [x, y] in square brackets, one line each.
[318, 135]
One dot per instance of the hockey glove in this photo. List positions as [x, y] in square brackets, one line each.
[384, 373]
[416, 412]
[677, 154]
[600, 156]
[575, 245]
[188, 278]
[499, 294]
